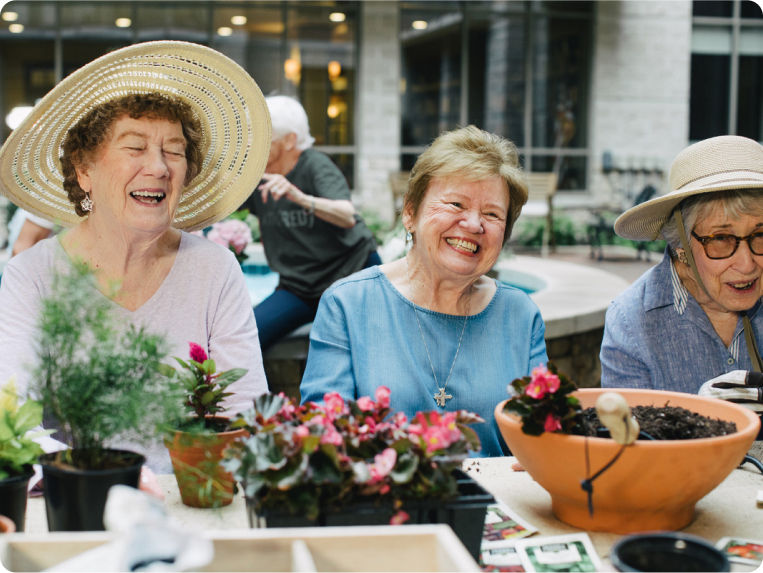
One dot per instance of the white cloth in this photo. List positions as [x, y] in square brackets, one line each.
[203, 299]
[146, 539]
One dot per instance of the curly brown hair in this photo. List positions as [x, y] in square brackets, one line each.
[86, 136]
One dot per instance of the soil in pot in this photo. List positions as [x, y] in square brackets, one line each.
[13, 497]
[75, 497]
[666, 423]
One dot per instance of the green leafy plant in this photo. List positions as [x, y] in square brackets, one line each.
[204, 388]
[18, 448]
[543, 402]
[100, 381]
[300, 459]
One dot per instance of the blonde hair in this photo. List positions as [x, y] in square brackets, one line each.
[471, 154]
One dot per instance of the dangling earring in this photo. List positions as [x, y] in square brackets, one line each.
[408, 240]
[682, 256]
[87, 203]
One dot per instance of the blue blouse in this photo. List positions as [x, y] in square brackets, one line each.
[657, 336]
[365, 335]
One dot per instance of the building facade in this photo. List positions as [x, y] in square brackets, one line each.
[604, 93]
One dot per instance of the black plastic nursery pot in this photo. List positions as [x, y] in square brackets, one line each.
[75, 498]
[13, 496]
[465, 514]
[667, 551]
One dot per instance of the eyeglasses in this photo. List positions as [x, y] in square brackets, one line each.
[723, 246]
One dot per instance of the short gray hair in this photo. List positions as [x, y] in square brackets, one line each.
[288, 116]
[734, 202]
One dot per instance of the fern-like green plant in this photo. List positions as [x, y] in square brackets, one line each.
[98, 379]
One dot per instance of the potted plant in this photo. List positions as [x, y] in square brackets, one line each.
[99, 382]
[18, 451]
[357, 463]
[196, 445]
[598, 483]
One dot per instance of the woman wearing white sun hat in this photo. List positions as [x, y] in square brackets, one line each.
[696, 315]
[131, 151]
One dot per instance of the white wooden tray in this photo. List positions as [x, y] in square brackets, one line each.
[367, 548]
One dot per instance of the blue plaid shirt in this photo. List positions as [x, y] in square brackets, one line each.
[657, 336]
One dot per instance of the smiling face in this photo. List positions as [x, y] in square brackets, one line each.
[137, 176]
[459, 226]
[734, 284]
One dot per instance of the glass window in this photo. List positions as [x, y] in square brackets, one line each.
[716, 8]
[751, 9]
[726, 71]
[709, 96]
[497, 76]
[492, 45]
[431, 73]
[750, 104]
[560, 79]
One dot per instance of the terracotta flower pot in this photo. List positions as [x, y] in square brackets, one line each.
[6, 525]
[654, 485]
[201, 479]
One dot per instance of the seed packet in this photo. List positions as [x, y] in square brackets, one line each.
[573, 552]
[502, 525]
[501, 559]
[740, 550]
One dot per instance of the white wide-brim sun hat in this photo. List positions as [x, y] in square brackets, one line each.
[231, 108]
[711, 165]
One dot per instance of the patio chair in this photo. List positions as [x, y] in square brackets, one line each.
[541, 190]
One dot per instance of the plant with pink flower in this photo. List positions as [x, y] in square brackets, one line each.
[205, 388]
[233, 234]
[306, 459]
[543, 401]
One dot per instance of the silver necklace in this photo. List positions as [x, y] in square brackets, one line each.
[440, 396]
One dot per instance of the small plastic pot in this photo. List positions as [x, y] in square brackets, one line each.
[13, 496]
[75, 499]
[667, 551]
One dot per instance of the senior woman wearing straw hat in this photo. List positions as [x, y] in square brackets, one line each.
[696, 315]
[154, 140]
[432, 326]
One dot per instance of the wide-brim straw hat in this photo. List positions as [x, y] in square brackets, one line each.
[231, 108]
[716, 164]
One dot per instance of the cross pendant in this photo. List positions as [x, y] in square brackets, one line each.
[441, 397]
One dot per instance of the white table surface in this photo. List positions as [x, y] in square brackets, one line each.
[729, 510]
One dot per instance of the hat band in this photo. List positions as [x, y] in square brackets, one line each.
[738, 178]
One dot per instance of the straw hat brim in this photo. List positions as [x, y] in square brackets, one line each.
[231, 108]
[644, 222]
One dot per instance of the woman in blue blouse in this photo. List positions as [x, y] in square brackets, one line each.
[432, 326]
[696, 315]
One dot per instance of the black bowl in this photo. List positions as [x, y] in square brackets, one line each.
[667, 551]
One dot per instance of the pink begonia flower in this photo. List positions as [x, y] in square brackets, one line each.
[552, 423]
[542, 382]
[536, 389]
[331, 436]
[383, 464]
[399, 518]
[302, 431]
[335, 405]
[197, 353]
[365, 403]
[231, 233]
[382, 396]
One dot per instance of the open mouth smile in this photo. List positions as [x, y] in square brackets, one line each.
[148, 197]
[745, 286]
[463, 245]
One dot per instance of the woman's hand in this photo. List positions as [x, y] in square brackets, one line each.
[277, 186]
